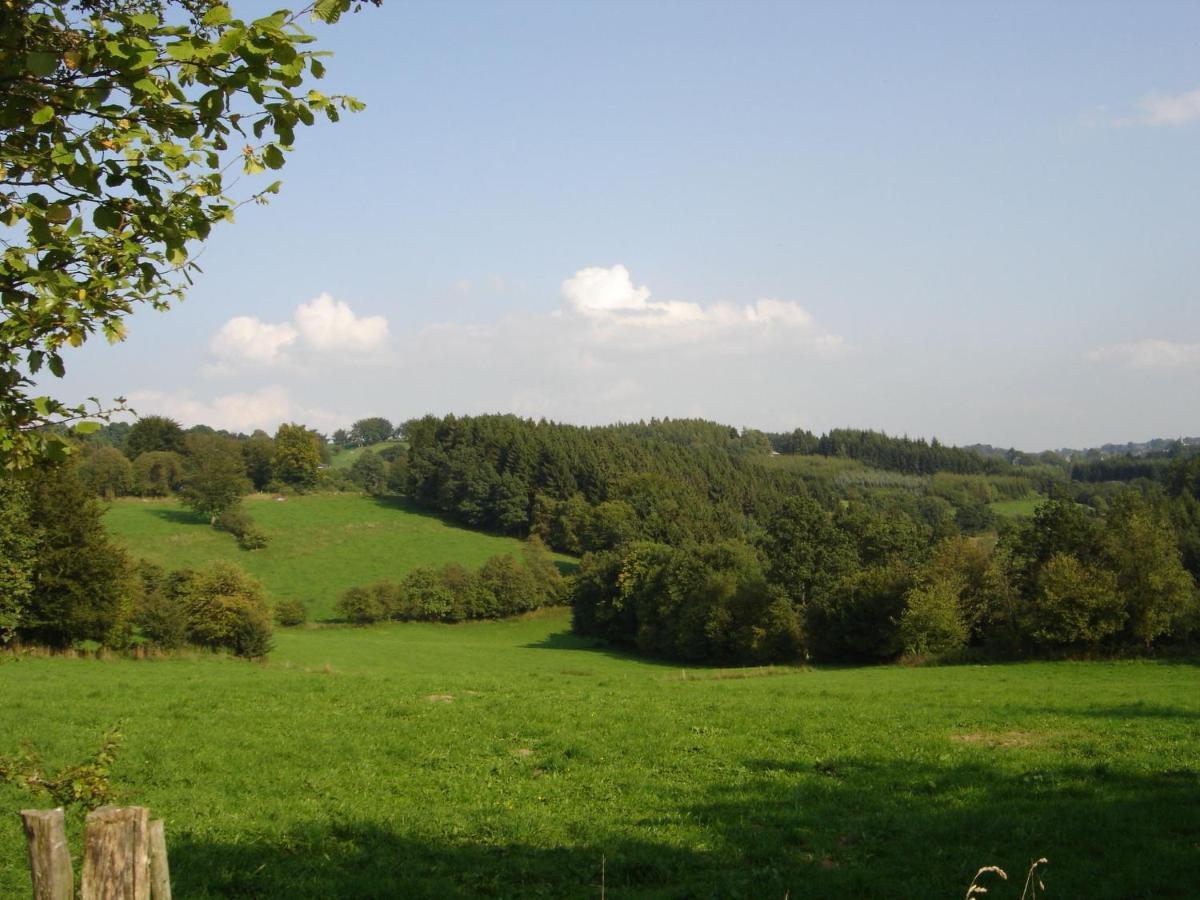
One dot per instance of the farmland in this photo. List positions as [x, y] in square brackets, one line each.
[513, 759]
[320, 544]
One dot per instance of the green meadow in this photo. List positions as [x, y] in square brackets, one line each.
[1017, 509]
[511, 759]
[320, 544]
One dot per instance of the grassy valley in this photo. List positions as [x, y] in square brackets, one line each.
[510, 758]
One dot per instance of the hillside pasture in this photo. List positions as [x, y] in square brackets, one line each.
[344, 458]
[512, 759]
[320, 544]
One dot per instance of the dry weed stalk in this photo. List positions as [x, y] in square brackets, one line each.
[1033, 882]
[975, 888]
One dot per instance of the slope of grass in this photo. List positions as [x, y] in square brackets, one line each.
[320, 544]
[344, 459]
[511, 759]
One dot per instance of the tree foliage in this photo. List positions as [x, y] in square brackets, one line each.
[119, 123]
[296, 456]
[214, 475]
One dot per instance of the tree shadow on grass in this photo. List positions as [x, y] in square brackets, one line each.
[180, 516]
[569, 640]
[845, 827]
[1135, 710]
[363, 860]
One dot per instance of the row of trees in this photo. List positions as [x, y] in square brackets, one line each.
[155, 457]
[814, 585]
[502, 586]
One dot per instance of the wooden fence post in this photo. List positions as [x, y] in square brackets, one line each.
[116, 858]
[49, 856]
[160, 872]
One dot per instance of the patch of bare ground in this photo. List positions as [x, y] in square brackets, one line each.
[999, 738]
[440, 698]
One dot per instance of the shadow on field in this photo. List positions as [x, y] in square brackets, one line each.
[365, 861]
[842, 827]
[569, 640]
[180, 516]
[1136, 710]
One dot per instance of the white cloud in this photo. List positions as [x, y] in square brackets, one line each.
[1149, 353]
[330, 325]
[265, 408]
[1167, 109]
[615, 311]
[597, 291]
[611, 351]
[251, 340]
[323, 325]
[608, 351]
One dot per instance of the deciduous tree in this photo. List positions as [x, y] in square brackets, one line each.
[119, 120]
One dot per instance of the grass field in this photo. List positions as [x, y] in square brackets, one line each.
[320, 544]
[510, 759]
[1017, 509]
[344, 459]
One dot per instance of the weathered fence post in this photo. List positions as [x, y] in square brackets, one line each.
[160, 872]
[116, 859]
[49, 856]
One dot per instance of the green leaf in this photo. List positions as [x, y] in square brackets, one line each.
[58, 213]
[145, 20]
[56, 366]
[42, 116]
[218, 15]
[181, 51]
[41, 63]
[87, 427]
[273, 157]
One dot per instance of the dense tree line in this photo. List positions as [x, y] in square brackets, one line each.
[1120, 468]
[585, 489]
[838, 587]
[896, 454]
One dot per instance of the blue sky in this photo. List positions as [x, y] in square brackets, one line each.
[976, 221]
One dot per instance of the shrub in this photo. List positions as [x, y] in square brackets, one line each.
[290, 613]
[237, 522]
[163, 619]
[429, 598]
[359, 606]
[226, 608]
[512, 584]
[253, 538]
[551, 586]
